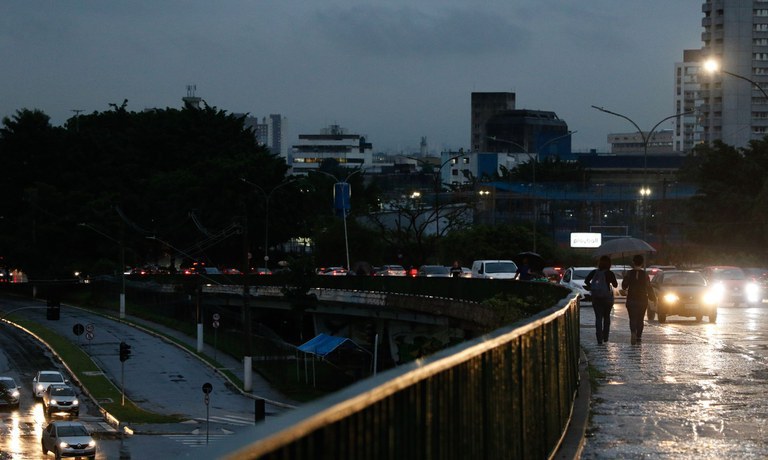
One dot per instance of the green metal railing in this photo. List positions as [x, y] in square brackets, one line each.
[505, 395]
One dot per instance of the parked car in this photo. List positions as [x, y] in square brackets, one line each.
[733, 285]
[43, 379]
[683, 293]
[494, 269]
[9, 392]
[60, 398]
[68, 439]
[434, 271]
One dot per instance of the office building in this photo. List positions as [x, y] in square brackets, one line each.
[484, 107]
[686, 131]
[333, 143]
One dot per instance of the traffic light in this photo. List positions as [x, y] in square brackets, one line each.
[125, 351]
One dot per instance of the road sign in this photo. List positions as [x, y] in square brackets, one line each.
[216, 317]
[89, 327]
[78, 329]
[215, 324]
[89, 335]
[207, 388]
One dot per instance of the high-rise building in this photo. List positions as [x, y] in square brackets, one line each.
[686, 132]
[736, 35]
[485, 106]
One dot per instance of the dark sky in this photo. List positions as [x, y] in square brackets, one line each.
[391, 70]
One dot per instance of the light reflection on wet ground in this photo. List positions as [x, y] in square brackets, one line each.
[691, 390]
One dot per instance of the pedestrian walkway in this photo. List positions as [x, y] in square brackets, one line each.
[677, 395]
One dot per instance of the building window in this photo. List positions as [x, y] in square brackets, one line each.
[760, 27]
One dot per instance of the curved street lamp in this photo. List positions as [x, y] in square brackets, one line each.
[713, 66]
[533, 170]
[346, 183]
[646, 139]
[267, 197]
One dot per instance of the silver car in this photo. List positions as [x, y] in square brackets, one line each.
[43, 379]
[68, 439]
[9, 392]
[60, 398]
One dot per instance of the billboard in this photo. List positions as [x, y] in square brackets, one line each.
[586, 240]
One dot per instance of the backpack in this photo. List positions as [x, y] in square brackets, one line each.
[599, 286]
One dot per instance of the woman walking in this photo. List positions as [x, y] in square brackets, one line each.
[600, 283]
[639, 291]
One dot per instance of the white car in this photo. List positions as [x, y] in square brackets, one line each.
[60, 399]
[494, 269]
[45, 378]
[68, 439]
[573, 278]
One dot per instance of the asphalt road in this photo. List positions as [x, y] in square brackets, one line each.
[692, 390]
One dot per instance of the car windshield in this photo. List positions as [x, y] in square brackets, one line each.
[500, 267]
[5, 384]
[580, 274]
[51, 378]
[72, 430]
[728, 274]
[684, 279]
[62, 391]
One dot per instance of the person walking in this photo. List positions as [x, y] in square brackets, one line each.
[600, 283]
[456, 269]
[524, 271]
[639, 292]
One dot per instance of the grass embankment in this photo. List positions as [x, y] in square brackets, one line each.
[92, 379]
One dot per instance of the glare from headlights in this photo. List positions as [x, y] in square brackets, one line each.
[39, 387]
[63, 445]
[15, 393]
[711, 297]
[92, 443]
[75, 402]
[671, 298]
[718, 291]
[752, 292]
[53, 401]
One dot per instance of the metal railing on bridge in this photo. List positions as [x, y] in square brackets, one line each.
[508, 394]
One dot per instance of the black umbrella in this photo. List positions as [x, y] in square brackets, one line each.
[535, 261]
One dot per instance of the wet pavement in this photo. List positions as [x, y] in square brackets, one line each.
[690, 390]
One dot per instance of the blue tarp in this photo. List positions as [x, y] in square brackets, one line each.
[324, 344]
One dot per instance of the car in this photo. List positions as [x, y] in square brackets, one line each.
[434, 271]
[68, 439]
[553, 274]
[734, 285]
[9, 392]
[391, 270]
[759, 275]
[43, 379]
[59, 399]
[573, 278]
[683, 293]
[333, 271]
[494, 269]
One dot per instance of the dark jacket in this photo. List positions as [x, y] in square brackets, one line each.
[638, 287]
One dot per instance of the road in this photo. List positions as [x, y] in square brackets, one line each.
[691, 390]
[160, 377]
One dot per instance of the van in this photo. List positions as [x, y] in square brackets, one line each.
[494, 269]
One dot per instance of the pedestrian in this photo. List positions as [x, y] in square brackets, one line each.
[600, 283]
[639, 292]
[456, 270]
[523, 272]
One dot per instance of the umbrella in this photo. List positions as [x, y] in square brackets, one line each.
[625, 246]
[535, 261]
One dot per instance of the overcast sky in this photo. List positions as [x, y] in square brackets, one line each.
[393, 70]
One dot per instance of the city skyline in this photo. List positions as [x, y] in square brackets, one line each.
[392, 72]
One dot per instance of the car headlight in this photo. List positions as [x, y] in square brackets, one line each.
[718, 291]
[15, 393]
[40, 387]
[63, 445]
[91, 443]
[52, 401]
[712, 297]
[752, 292]
[671, 298]
[75, 402]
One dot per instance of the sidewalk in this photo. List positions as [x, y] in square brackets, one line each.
[678, 395]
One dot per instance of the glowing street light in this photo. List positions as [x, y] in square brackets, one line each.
[713, 66]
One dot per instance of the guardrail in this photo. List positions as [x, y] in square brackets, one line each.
[508, 394]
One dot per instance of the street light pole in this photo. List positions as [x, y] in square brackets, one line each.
[533, 173]
[343, 210]
[122, 264]
[712, 66]
[437, 185]
[267, 197]
[645, 190]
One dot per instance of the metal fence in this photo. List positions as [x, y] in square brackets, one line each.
[506, 395]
